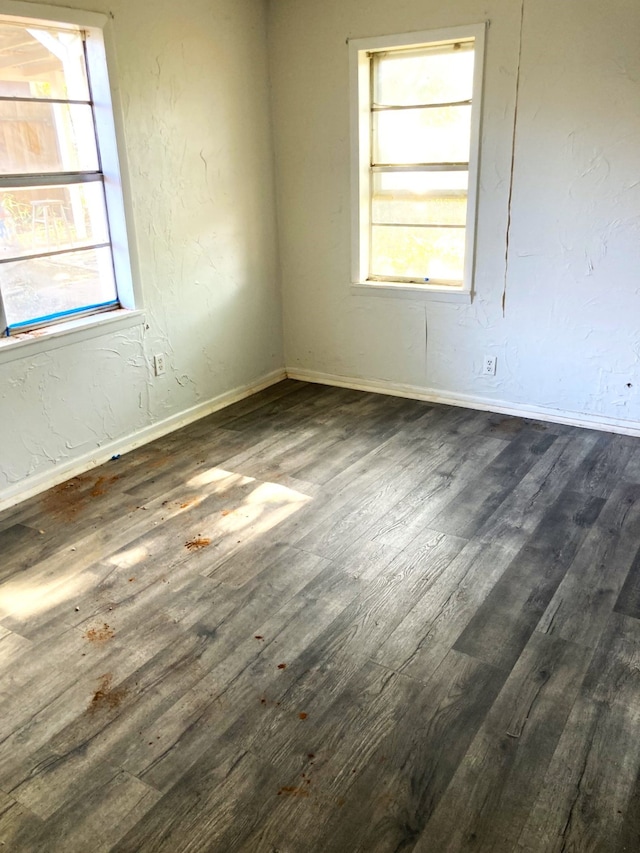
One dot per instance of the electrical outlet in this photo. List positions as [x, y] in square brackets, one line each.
[158, 364]
[489, 365]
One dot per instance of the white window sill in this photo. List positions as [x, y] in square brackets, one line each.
[426, 293]
[71, 332]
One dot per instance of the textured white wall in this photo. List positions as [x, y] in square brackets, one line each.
[569, 338]
[193, 83]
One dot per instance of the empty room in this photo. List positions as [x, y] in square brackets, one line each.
[320, 426]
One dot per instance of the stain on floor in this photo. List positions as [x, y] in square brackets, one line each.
[99, 635]
[197, 543]
[105, 696]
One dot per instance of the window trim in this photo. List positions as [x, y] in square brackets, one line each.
[73, 331]
[359, 64]
[110, 138]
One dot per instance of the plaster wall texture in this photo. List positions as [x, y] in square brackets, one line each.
[566, 75]
[193, 86]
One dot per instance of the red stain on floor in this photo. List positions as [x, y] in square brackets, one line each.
[66, 500]
[186, 504]
[99, 635]
[101, 485]
[105, 696]
[197, 543]
[292, 791]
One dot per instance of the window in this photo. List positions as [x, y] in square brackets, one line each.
[416, 137]
[63, 247]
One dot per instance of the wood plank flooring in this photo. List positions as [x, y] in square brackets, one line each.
[323, 620]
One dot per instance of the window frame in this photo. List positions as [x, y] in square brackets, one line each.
[109, 139]
[361, 144]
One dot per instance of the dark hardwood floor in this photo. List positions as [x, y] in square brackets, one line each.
[324, 620]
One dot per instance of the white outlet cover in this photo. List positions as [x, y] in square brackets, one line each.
[489, 365]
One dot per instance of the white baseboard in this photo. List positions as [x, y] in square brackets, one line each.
[30, 486]
[539, 413]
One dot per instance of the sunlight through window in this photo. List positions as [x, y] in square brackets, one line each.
[417, 157]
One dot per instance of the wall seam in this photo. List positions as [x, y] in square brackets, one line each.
[513, 157]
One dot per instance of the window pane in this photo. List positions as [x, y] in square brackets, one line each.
[437, 75]
[432, 198]
[39, 62]
[419, 253]
[51, 218]
[38, 288]
[44, 138]
[438, 135]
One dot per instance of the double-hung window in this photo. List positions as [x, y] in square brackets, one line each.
[63, 248]
[415, 133]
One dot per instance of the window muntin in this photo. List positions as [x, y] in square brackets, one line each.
[419, 198]
[56, 52]
[55, 249]
[417, 125]
[46, 289]
[430, 74]
[56, 217]
[420, 136]
[41, 137]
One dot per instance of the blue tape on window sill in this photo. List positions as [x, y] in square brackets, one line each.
[67, 331]
[60, 315]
